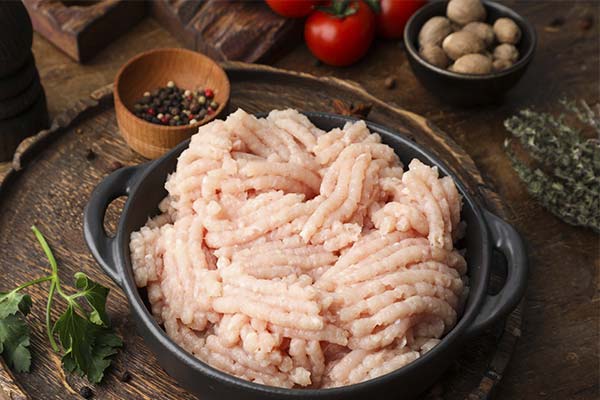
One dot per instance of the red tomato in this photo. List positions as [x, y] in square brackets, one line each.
[394, 15]
[292, 8]
[340, 41]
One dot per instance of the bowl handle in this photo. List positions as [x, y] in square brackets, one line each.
[100, 244]
[506, 239]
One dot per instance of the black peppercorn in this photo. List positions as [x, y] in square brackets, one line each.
[90, 155]
[390, 82]
[126, 376]
[175, 106]
[86, 392]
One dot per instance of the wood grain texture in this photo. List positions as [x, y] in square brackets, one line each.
[57, 157]
[240, 30]
[9, 387]
[81, 28]
[174, 15]
[557, 355]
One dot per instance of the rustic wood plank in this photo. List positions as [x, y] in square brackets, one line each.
[57, 158]
[241, 30]
[557, 355]
[174, 15]
[9, 388]
[82, 28]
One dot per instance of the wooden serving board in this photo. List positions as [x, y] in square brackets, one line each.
[54, 173]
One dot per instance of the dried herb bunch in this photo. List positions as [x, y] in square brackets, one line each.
[566, 177]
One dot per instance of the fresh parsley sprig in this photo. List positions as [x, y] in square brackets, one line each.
[86, 338]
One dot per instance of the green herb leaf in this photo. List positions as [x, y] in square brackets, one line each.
[72, 330]
[14, 332]
[95, 294]
[87, 340]
[13, 302]
[105, 346]
[88, 346]
[14, 342]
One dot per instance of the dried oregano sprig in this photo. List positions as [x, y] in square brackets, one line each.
[566, 180]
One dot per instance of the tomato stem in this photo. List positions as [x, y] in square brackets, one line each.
[341, 8]
[375, 5]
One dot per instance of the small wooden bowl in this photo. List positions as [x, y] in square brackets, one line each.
[151, 70]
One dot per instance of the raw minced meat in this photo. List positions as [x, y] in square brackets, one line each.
[294, 257]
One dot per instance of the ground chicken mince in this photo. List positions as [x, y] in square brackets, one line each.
[294, 257]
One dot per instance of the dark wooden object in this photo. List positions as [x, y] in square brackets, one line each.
[15, 105]
[238, 30]
[16, 36]
[13, 84]
[22, 101]
[29, 122]
[83, 28]
[58, 158]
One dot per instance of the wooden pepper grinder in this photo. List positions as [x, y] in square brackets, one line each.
[23, 110]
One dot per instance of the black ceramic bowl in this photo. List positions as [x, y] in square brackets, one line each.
[461, 89]
[144, 185]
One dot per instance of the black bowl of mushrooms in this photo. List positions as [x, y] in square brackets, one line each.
[469, 52]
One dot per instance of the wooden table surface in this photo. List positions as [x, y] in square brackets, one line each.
[557, 356]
